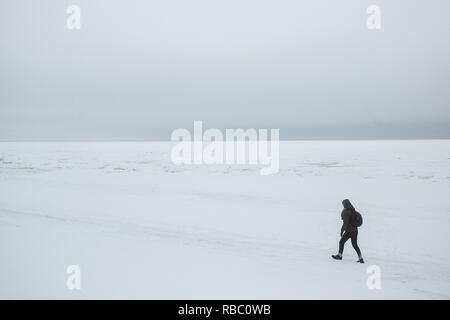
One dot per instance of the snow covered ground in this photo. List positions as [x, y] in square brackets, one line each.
[142, 227]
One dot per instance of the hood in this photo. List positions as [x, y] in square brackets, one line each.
[347, 205]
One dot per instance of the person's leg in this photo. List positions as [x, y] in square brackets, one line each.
[342, 242]
[354, 238]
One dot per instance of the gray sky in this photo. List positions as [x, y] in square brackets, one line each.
[139, 69]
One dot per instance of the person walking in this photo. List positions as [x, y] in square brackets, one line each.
[351, 221]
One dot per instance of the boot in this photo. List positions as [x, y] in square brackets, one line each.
[360, 260]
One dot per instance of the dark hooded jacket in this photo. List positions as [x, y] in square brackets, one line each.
[345, 215]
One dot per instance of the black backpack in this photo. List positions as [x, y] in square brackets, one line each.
[356, 219]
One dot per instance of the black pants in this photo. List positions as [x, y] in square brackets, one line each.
[350, 235]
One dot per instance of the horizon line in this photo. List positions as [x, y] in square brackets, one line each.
[281, 140]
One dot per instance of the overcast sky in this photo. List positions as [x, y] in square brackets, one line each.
[138, 69]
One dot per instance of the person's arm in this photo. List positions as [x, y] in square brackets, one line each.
[345, 218]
